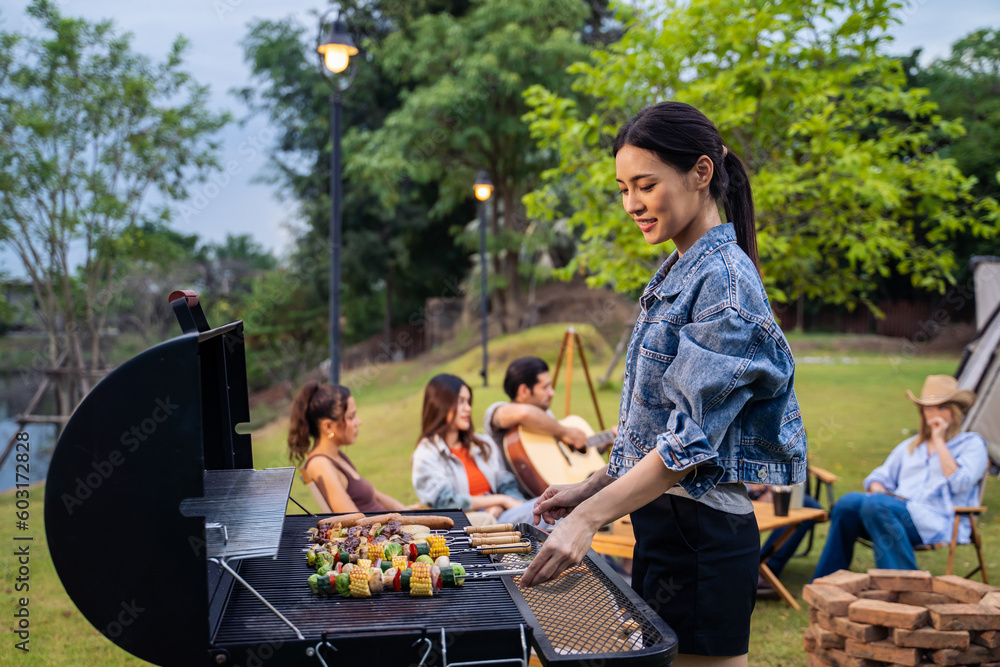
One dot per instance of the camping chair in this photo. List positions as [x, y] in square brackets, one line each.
[972, 514]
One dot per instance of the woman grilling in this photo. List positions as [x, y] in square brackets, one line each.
[707, 401]
[324, 420]
[453, 466]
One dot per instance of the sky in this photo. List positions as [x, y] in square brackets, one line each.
[215, 29]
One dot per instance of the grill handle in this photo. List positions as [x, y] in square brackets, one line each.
[188, 311]
[495, 528]
[520, 548]
[421, 641]
[418, 632]
[500, 538]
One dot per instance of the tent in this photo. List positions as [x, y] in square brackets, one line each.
[980, 367]
[986, 278]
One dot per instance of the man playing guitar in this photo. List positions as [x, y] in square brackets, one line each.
[529, 386]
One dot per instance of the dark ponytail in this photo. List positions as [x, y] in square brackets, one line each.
[315, 401]
[737, 201]
[679, 134]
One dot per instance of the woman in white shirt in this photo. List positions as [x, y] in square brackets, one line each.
[453, 466]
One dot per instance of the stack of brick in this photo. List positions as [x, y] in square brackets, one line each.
[901, 617]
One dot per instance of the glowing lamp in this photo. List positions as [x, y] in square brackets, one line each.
[337, 47]
[483, 187]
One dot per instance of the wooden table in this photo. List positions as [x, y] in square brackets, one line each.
[766, 521]
[620, 540]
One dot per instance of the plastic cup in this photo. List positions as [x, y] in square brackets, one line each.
[782, 496]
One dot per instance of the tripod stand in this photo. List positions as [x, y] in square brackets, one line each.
[570, 338]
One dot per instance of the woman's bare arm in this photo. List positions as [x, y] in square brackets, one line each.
[331, 483]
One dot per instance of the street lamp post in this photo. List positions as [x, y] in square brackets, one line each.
[483, 189]
[335, 46]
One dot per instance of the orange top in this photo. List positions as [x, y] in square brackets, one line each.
[477, 480]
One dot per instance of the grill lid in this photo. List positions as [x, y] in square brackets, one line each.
[138, 446]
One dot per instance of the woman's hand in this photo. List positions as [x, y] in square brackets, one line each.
[558, 501]
[876, 487]
[939, 427]
[495, 511]
[565, 547]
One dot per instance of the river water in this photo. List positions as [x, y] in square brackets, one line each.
[42, 441]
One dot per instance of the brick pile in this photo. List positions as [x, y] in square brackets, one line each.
[890, 618]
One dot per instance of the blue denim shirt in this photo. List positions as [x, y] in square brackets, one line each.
[708, 375]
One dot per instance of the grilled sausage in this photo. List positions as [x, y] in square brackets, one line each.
[378, 518]
[436, 522]
[343, 519]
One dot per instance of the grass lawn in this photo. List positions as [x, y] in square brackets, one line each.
[854, 410]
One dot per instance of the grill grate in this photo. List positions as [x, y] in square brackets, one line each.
[243, 510]
[479, 606]
[589, 611]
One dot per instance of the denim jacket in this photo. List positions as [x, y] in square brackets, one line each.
[708, 375]
[440, 480]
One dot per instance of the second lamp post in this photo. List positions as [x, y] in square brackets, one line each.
[483, 190]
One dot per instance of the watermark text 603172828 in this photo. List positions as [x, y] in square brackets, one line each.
[22, 541]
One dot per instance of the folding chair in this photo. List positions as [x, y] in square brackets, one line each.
[971, 513]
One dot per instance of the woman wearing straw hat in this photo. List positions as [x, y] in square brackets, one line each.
[911, 497]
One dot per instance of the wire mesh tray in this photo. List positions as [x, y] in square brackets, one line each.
[589, 615]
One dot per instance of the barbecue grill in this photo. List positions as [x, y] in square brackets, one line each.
[176, 549]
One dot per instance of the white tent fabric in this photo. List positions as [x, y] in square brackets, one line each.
[980, 372]
[986, 275]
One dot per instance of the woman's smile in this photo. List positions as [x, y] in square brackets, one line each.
[646, 224]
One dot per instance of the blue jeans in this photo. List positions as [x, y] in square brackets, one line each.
[780, 557]
[881, 518]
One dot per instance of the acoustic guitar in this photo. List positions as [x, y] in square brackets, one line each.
[540, 460]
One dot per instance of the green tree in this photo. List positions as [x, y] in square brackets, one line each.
[461, 107]
[152, 259]
[90, 129]
[966, 85]
[846, 193]
[392, 260]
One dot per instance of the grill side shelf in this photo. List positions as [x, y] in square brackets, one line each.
[590, 614]
[244, 511]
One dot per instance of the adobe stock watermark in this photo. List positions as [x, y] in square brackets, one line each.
[666, 590]
[205, 193]
[131, 439]
[128, 614]
[955, 299]
[403, 340]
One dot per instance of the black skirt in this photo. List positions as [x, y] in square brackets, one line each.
[697, 568]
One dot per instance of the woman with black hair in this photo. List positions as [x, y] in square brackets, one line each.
[324, 420]
[453, 466]
[708, 400]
